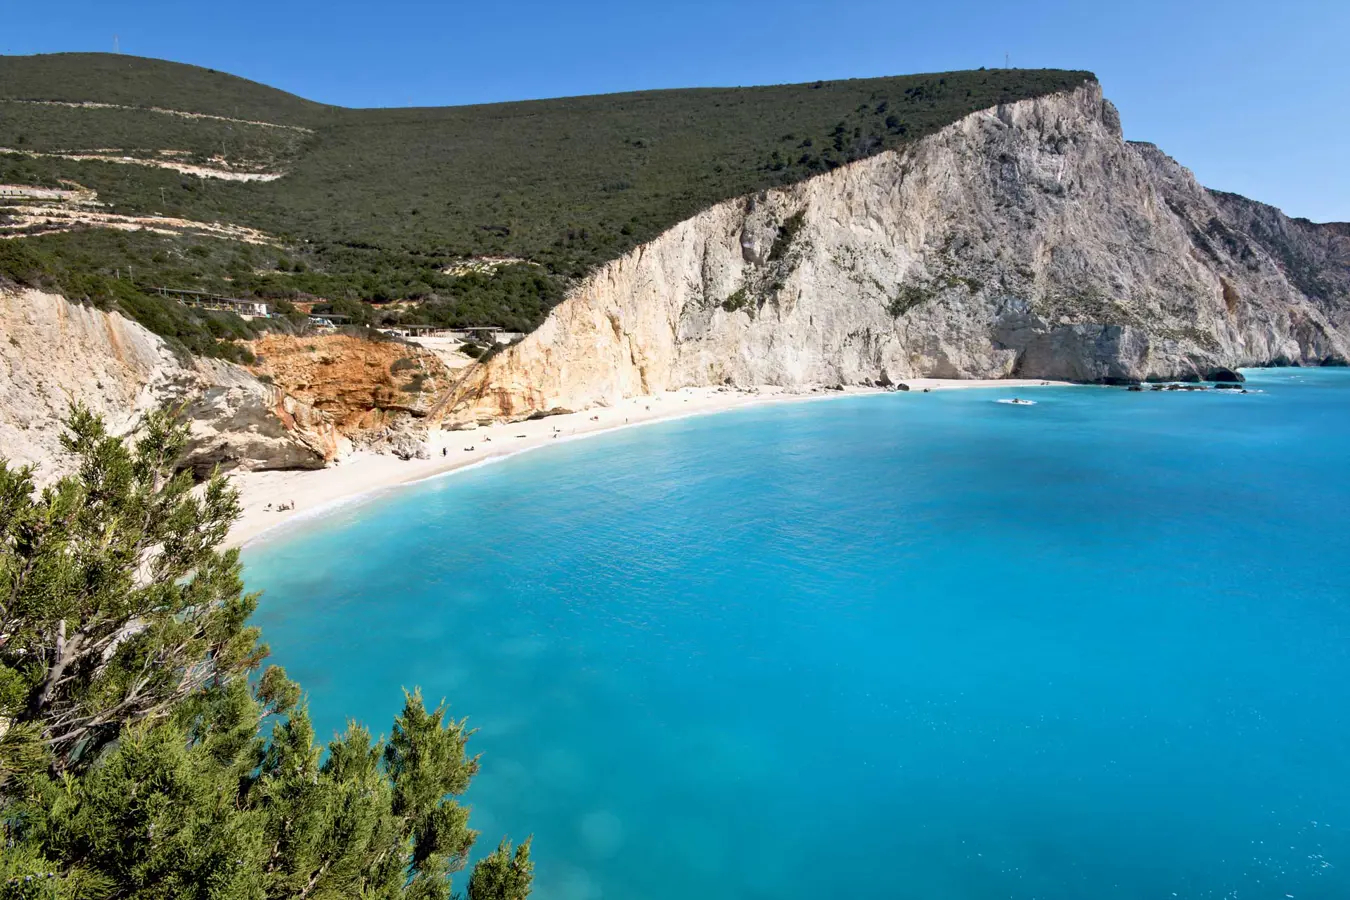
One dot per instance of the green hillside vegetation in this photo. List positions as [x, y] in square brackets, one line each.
[49, 128]
[136, 81]
[375, 203]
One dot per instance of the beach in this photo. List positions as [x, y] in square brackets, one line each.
[312, 492]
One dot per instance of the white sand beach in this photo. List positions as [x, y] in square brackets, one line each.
[314, 491]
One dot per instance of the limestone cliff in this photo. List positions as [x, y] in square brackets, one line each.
[53, 351]
[1026, 240]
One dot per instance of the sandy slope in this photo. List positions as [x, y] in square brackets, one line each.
[313, 492]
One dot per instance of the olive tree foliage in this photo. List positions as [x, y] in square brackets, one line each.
[136, 757]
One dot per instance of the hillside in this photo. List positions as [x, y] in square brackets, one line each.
[383, 204]
[136, 81]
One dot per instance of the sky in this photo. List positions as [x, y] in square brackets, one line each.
[1254, 97]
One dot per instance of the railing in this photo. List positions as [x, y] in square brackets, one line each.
[204, 300]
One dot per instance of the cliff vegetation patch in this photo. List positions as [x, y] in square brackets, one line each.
[739, 299]
[907, 296]
[787, 233]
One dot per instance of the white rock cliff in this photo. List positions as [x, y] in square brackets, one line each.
[1028, 240]
[53, 352]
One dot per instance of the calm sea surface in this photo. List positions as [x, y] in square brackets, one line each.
[909, 645]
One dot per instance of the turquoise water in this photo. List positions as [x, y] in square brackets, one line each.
[908, 645]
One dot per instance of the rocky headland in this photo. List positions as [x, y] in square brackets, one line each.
[1028, 240]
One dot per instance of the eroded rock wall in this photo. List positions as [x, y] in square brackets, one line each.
[379, 394]
[1029, 240]
[53, 352]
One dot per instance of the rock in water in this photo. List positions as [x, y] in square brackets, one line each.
[1224, 375]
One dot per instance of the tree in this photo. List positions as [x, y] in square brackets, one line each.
[116, 602]
[501, 876]
[137, 758]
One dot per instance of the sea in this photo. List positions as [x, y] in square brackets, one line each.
[905, 645]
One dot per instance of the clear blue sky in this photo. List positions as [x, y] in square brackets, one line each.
[1252, 96]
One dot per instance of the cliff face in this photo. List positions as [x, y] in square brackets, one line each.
[53, 352]
[380, 395]
[1314, 257]
[1029, 240]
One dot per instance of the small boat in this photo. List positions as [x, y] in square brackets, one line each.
[1017, 401]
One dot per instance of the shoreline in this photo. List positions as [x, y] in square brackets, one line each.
[364, 473]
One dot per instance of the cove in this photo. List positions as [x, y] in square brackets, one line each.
[905, 645]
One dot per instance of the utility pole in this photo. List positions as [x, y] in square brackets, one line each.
[1007, 61]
